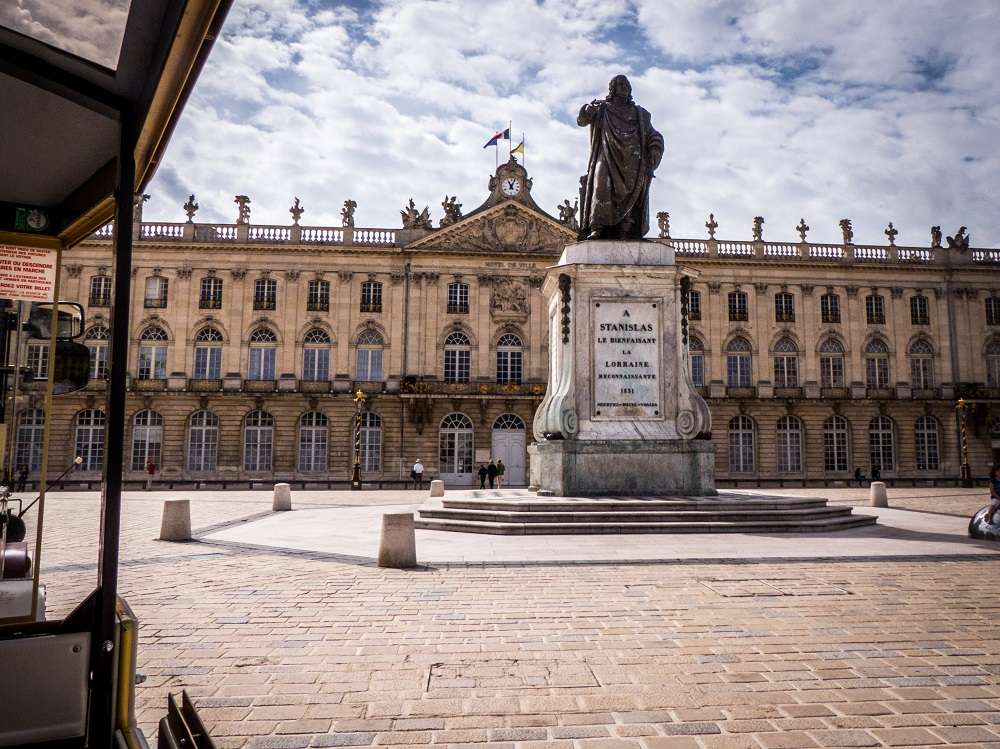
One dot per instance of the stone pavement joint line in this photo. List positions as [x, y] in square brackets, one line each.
[283, 650]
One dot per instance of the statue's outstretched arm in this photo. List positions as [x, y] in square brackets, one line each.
[588, 112]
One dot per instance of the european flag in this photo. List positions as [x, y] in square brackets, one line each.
[499, 135]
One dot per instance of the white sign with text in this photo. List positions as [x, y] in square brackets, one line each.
[27, 274]
[626, 360]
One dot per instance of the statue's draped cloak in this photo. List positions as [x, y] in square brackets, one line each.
[622, 146]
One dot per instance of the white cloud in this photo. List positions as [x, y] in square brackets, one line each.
[782, 109]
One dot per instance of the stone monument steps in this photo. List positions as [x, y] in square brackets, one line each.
[639, 504]
[833, 523]
[620, 515]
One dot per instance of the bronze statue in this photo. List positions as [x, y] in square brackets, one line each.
[624, 152]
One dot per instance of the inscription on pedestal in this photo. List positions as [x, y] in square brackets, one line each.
[626, 360]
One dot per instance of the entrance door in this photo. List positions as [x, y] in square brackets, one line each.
[509, 446]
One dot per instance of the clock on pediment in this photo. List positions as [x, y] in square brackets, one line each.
[511, 181]
[510, 186]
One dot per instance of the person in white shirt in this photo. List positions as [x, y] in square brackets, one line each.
[417, 474]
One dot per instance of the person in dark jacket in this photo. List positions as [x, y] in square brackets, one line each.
[859, 476]
[491, 471]
[482, 476]
[876, 473]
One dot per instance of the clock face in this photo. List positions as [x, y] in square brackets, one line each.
[36, 220]
[510, 186]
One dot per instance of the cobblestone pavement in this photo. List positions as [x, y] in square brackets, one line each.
[301, 650]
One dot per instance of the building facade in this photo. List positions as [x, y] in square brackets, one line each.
[248, 342]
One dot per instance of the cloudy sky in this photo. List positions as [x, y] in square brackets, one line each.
[884, 111]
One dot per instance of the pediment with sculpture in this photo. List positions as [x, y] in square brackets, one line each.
[507, 227]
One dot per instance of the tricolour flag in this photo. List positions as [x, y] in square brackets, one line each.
[499, 135]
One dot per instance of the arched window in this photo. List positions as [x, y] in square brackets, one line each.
[921, 364]
[455, 445]
[835, 444]
[313, 439]
[258, 441]
[509, 360]
[203, 441]
[789, 445]
[370, 346]
[881, 444]
[147, 439]
[263, 352]
[208, 354]
[100, 291]
[696, 355]
[928, 446]
[741, 445]
[89, 442]
[97, 342]
[457, 358]
[316, 355]
[265, 293]
[509, 421]
[30, 428]
[458, 298]
[786, 363]
[738, 363]
[877, 363]
[153, 354]
[371, 442]
[831, 363]
[993, 363]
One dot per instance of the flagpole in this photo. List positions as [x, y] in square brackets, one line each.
[524, 151]
[508, 140]
[496, 155]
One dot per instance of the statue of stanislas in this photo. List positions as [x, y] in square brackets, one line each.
[624, 152]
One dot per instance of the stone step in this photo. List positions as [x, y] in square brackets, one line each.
[841, 522]
[634, 516]
[634, 504]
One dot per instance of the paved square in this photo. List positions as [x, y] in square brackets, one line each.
[797, 648]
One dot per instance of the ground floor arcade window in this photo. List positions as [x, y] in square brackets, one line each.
[455, 444]
[313, 438]
[89, 440]
[147, 439]
[203, 441]
[258, 441]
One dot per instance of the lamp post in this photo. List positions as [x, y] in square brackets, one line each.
[966, 473]
[359, 400]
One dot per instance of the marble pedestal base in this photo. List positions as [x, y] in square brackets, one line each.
[575, 468]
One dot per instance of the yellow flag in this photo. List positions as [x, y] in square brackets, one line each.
[519, 149]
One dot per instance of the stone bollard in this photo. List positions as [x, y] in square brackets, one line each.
[282, 498]
[176, 524]
[878, 495]
[397, 547]
[437, 488]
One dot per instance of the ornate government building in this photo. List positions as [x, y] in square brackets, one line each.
[248, 342]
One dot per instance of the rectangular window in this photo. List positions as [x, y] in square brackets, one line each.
[152, 362]
[789, 451]
[509, 367]
[457, 365]
[738, 370]
[211, 293]
[262, 363]
[877, 372]
[698, 370]
[741, 452]
[156, 292]
[784, 307]
[993, 310]
[98, 362]
[694, 305]
[371, 449]
[786, 371]
[316, 364]
[458, 298]
[312, 449]
[371, 296]
[38, 360]
[829, 308]
[875, 309]
[319, 296]
[927, 450]
[831, 371]
[369, 364]
[919, 311]
[207, 362]
[265, 293]
[100, 291]
[738, 306]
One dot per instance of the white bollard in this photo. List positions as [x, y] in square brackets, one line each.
[397, 547]
[282, 498]
[878, 495]
[176, 523]
[437, 488]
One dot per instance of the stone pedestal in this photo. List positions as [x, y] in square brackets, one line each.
[282, 501]
[397, 545]
[621, 415]
[176, 522]
[437, 488]
[877, 494]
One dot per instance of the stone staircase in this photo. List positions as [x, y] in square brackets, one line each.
[526, 514]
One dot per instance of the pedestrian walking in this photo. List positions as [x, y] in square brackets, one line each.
[501, 470]
[150, 473]
[22, 477]
[876, 473]
[491, 471]
[482, 476]
[859, 476]
[994, 495]
[417, 474]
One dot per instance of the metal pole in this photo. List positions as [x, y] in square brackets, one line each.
[103, 657]
[966, 471]
[359, 399]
